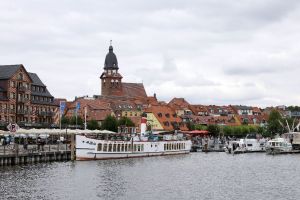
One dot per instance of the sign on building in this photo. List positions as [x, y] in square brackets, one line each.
[12, 127]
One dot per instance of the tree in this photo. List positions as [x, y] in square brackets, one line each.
[110, 123]
[79, 121]
[200, 127]
[274, 125]
[213, 129]
[228, 130]
[65, 120]
[93, 125]
[190, 126]
[125, 121]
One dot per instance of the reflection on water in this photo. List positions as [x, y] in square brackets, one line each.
[194, 176]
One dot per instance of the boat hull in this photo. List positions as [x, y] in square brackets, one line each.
[107, 156]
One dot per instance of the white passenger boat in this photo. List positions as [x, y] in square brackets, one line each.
[140, 145]
[278, 145]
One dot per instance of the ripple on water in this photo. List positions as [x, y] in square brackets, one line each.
[193, 176]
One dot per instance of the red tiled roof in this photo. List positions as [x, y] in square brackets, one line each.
[135, 90]
[179, 103]
[166, 116]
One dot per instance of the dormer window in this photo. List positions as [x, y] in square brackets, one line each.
[159, 115]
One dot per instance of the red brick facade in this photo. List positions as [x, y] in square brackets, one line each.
[24, 99]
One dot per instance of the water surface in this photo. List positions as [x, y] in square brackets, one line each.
[194, 176]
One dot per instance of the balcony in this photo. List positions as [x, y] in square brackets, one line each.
[23, 100]
[45, 114]
[3, 111]
[22, 89]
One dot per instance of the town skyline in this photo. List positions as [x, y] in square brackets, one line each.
[227, 54]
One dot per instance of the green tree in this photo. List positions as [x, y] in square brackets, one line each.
[253, 129]
[110, 123]
[125, 121]
[200, 127]
[274, 125]
[93, 125]
[237, 131]
[190, 126]
[65, 120]
[245, 130]
[79, 120]
[228, 130]
[213, 129]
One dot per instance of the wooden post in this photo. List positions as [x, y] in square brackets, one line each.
[72, 146]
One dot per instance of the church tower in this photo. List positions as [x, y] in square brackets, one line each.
[111, 80]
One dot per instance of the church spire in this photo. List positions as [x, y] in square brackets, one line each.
[111, 61]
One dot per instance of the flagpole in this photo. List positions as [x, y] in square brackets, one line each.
[85, 111]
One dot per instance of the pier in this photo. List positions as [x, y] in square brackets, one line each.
[16, 154]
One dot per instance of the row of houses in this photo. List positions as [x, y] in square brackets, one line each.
[25, 100]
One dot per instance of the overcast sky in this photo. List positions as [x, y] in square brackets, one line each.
[207, 51]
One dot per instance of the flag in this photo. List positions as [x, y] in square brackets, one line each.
[62, 106]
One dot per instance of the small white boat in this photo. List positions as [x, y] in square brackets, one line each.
[235, 147]
[278, 145]
[254, 143]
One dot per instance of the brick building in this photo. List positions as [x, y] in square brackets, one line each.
[24, 98]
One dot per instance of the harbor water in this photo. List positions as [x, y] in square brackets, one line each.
[194, 176]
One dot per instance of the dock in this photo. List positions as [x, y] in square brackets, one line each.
[17, 155]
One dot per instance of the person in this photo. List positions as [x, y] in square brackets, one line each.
[38, 143]
[25, 144]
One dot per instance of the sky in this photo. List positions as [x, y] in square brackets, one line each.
[207, 51]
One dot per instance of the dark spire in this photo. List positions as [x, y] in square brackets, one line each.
[111, 61]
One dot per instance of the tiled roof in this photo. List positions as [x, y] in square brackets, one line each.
[6, 71]
[135, 90]
[178, 103]
[167, 117]
[58, 100]
[43, 94]
[198, 108]
[98, 115]
[226, 120]
[36, 80]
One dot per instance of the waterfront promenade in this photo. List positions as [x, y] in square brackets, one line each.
[15, 154]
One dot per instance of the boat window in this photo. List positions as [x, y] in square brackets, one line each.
[125, 145]
[122, 147]
[169, 146]
[134, 147]
[249, 145]
[129, 147]
[165, 146]
[142, 148]
[99, 147]
[109, 147]
[105, 147]
[177, 146]
[118, 147]
[183, 145]
[114, 147]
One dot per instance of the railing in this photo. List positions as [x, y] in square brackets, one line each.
[44, 113]
[23, 89]
[23, 100]
[26, 145]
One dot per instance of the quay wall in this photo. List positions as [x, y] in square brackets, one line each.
[36, 157]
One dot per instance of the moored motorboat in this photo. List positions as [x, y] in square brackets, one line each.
[235, 147]
[278, 145]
